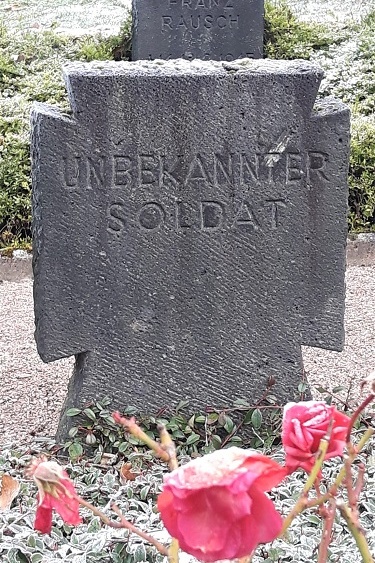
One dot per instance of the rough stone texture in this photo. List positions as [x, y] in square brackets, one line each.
[177, 229]
[197, 29]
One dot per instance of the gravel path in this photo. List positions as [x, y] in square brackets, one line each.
[32, 393]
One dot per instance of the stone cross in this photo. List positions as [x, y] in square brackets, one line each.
[197, 29]
[189, 229]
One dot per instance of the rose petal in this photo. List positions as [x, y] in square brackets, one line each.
[268, 521]
[43, 520]
[64, 504]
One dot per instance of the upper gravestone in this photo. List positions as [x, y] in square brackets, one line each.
[197, 29]
[189, 229]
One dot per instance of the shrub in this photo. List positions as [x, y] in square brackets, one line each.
[285, 37]
[361, 175]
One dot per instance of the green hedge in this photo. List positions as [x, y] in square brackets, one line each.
[30, 69]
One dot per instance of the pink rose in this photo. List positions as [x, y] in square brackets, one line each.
[216, 507]
[55, 492]
[304, 425]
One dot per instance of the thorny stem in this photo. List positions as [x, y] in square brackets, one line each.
[360, 480]
[97, 512]
[327, 531]
[122, 524]
[341, 476]
[350, 489]
[356, 531]
[129, 526]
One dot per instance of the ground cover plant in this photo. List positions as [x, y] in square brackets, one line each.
[118, 468]
[30, 70]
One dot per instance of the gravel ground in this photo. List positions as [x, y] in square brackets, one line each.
[32, 393]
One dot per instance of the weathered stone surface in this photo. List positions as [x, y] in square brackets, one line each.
[189, 229]
[197, 29]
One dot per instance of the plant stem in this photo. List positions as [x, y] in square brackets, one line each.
[122, 524]
[99, 513]
[173, 552]
[356, 414]
[341, 476]
[132, 427]
[327, 532]
[168, 446]
[129, 526]
[356, 531]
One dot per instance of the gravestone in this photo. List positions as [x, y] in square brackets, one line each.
[189, 229]
[197, 29]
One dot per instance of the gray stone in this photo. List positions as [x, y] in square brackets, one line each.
[189, 229]
[197, 29]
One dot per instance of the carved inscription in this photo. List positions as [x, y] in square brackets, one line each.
[203, 29]
[137, 176]
[206, 215]
[244, 169]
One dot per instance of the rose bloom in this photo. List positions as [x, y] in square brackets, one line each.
[304, 425]
[55, 491]
[215, 505]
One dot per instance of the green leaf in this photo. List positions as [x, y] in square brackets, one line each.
[193, 439]
[338, 389]
[144, 492]
[200, 419]
[235, 440]
[90, 414]
[256, 419]
[216, 441]
[36, 558]
[130, 410]
[212, 418]
[228, 424]
[31, 541]
[221, 419]
[178, 434]
[123, 447]
[248, 416]
[73, 412]
[75, 451]
[241, 403]
[191, 421]
[140, 554]
[73, 431]
[181, 405]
